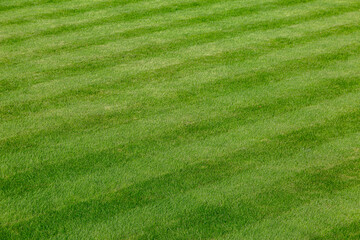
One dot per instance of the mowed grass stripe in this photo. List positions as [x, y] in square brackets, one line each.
[238, 55]
[125, 16]
[66, 11]
[121, 30]
[247, 184]
[291, 63]
[173, 20]
[186, 131]
[95, 4]
[45, 175]
[33, 141]
[79, 9]
[187, 201]
[213, 134]
[22, 15]
[192, 132]
[116, 35]
[336, 207]
[26, 142]
[170, 20]
[98, 64]
[231, 215]
[338, 107]
[278, 36]
[333, 185]
[26, 4]
[181, 23]
[346, 231]
[206, 172]
[254, 24]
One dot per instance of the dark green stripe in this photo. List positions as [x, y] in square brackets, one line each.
[99, 6]
[117, 58]
[177, 24]
[144, 13]
[205, 173]
[349, 232]
[5, 7]
[234, 117]
[245, 80]
[123, 17]
[94, 91]
[209, 221]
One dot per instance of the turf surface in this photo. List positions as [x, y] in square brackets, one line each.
[181, 119]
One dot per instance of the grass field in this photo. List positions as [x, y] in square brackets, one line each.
[180, 119]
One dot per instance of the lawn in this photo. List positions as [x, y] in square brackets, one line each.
[180, 119]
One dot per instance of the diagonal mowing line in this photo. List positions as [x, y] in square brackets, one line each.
[78, 68]
[139, 31]
[19, 183]
[26, 4]
[235, 55]
[127, 17]
[126, 195]
[74, 11]
[266, 74]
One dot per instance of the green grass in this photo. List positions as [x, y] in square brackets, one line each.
[181, 119]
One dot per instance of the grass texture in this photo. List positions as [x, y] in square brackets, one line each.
[180, 119]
